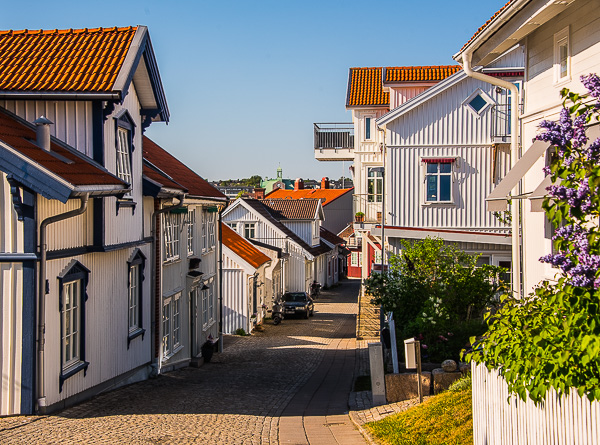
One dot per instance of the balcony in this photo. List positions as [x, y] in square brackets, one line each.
[370, 205]
[334, 141]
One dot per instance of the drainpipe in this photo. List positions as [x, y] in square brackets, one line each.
[155, 272]
[42, 291]
[514, 156]
[220, 265]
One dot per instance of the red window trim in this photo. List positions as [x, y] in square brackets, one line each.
[438, 160]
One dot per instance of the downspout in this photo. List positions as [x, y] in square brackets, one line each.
[42, 291]
[220, 265]
[514, 156]
[155, 273]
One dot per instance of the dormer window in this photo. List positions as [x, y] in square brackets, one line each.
[124, 129]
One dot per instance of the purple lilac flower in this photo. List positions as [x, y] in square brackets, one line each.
[592, 83]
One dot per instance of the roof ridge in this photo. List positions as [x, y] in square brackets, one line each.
[65, 31]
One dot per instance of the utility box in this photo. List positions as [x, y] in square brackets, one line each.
[377, 374]
[410, 353]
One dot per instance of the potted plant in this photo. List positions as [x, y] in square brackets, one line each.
[359, 216]
[208, 348]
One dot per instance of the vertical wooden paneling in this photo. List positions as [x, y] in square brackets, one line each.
[11, 229]
[562, 420]
[106, 330]
[11, 286]
[72, 119]
[72, 232]
[235, 299]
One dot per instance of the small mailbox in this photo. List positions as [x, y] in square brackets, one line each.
[411, 349]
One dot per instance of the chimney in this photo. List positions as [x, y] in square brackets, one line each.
[325, 182]
[42, 132]
[299, 184]
[259, 193]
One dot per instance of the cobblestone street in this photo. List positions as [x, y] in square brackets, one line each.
[288, 384]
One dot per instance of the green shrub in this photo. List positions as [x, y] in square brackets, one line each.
[240, 332]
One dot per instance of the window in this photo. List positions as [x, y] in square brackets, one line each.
[354, 259]
[438, 180]
[72, 297]
[206, 297]
[191, 228]
[478, 102]
[367, 128]
[211, 230]
[171, 325]
[204, 231]
[249, 230]
[171, 236]
[378, 257]
[562, 56]
[374, 185]
[124, 130]
[135, 265]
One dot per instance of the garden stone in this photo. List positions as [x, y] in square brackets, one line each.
[449, 365]
[399, 387]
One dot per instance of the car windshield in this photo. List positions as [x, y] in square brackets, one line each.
[294, 296]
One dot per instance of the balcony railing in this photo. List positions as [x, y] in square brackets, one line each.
[370, 205]
[501, 130]
[334, 135]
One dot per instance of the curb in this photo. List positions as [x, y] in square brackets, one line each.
[362, 430]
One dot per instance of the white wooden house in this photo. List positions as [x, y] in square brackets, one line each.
[290, 229]
[246, 296]
[561, 41]
[78, 190]
[184, 210]
[445, 150]
[371, 93]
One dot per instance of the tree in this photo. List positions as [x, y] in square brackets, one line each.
[551, 338]
[435, 290]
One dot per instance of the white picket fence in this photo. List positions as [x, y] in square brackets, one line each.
[569, 420]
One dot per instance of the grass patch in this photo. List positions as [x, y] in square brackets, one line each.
[362, 383]
[441, 420]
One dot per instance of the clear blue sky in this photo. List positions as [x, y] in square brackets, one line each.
[245, 80]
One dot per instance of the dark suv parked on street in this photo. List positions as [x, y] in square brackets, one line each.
[298, 303]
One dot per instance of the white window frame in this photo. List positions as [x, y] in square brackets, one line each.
[377, 257]
[211, 230]
[205, 297]
[134, 293]
[488, 102]
[438, 174]
[204, 231]
[171, 325]
[191, 230]
[70, 318]
[124, 155]
[354, 261]
[561, 40]
[249, 227]
[368, 127]
[377, 181]
[171, 237]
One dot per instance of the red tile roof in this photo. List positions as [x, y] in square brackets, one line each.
[63, 60]
[419, 73]
[496, 14]
[163, 179]
[327, 196]
[347, 231]
[365, 88]
[293, 208]
[74, 167]
[243, 248]
[182, 174]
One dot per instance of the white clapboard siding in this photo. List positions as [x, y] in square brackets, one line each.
[302, 229]
[69, 233]
[236, 310]
[72, 119]
[106, 330]
[11, 286]
[569, 420]
[472, 182]
[11, 229]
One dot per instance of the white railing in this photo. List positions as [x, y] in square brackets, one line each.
[559, 420]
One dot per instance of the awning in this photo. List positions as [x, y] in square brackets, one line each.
[498, 199]
[438, 160]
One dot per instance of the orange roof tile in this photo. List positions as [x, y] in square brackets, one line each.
[243, 248]
[481, 28]
[327, 196]
[69, 164]
[365, 88]
[419, 73]
[63, 60]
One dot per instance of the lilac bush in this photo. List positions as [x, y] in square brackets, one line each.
[551, 338]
